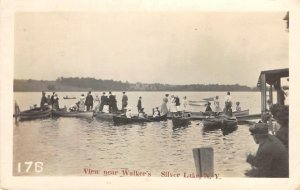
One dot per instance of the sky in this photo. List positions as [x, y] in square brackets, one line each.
[150, 47]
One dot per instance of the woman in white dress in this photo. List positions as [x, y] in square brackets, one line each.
[164, 107]
[97, 103]
[173, 108]
[217, 104]
[81, 106]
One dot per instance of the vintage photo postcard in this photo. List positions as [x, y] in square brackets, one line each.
[142, 95]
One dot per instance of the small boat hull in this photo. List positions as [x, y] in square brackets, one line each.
[36, 113]
[104, 116]
[212, 122]
[180, 121]
[199, 115]
[229, 125]
[66, 98]
[88, 114]
[224, 122]
[118, 119]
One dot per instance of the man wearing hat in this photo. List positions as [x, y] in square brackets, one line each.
[43, 100]
[139, 104]
[89, 101]
[103, 101]
[124, 101]
[271, 158]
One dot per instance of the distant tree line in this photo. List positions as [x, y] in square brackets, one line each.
[82, 84]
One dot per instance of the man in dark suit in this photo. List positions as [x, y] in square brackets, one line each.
[103, 101]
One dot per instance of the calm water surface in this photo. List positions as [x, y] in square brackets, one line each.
[68, 145]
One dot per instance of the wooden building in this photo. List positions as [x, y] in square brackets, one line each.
[268, 81]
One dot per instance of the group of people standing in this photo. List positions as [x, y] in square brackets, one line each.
[174, 106]
[227, 107]
[87, 103]
[52, 101]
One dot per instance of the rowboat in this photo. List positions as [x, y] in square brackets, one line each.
[60, 113]
[222, 121]
[35, 113]
[66, 97]
[104, 116]
[180, 121]
[229, 125]
[212, 122]
[121, 119]
[198, 101]
[237, 114]
[208, 99]
[195, 104]
[241, 113]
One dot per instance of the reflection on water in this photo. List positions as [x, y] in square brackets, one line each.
[68, 145]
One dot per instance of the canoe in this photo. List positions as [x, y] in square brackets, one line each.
[36, 113]
[104, 116]
[180, 121]
[60, 113]
[195, 104]
[198, 101]
[69, 97]
[208, 99]
[121, 119]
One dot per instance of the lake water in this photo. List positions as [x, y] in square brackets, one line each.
[68, 145]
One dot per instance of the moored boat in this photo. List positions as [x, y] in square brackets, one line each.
[36, 113]
[60, 113]
[196, 104]
[237, 114]
[208, 99]
[180, 121]
[212, 122]
[229, 124]
[198, 101]
[66, 97]
[121, 119]
[104, 116]
[241, 113]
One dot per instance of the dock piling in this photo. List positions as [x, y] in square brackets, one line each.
[204, 161]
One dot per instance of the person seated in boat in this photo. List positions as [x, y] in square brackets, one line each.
[156, 112]
[128, 112]
[74, 107]
[208, 108]
[142, 114]
[238, 107]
